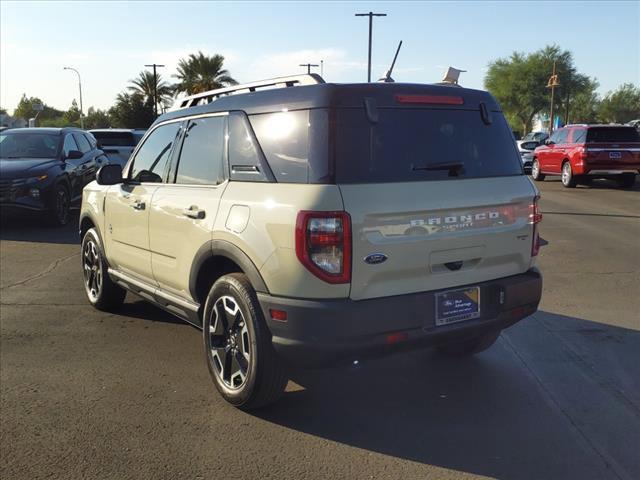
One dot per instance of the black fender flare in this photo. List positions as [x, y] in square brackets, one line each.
[222, 248]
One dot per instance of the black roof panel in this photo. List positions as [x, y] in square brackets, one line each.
[331, 95]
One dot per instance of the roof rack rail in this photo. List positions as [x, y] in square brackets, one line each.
[280, 82]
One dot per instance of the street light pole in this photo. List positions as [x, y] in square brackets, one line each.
[370, 15]
[552, 84]
[155, 87]
[79, 88]
[309, 65]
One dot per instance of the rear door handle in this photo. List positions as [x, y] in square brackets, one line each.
[194, 212]
[138, 205]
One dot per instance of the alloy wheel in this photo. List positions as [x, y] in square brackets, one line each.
[229, 342]
[92, 268]
[566, 173]
[535, 169]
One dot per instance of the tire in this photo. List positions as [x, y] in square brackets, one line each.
[627, 180]
[568, 179]
[60, 206]
[469, 347]
[535, 171]
[242, 361]
[101, 291]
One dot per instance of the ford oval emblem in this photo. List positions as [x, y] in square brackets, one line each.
[375, 258]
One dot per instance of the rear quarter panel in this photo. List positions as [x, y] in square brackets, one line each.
[260, 219]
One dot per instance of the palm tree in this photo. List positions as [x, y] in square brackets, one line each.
[144, 85]
[200, 73]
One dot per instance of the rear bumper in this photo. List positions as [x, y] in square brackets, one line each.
[322, 332]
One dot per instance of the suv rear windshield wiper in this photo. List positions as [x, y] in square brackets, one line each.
[454, 168]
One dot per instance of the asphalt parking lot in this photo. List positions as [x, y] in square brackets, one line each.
[85, 394]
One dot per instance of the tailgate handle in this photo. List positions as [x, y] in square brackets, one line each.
[453, 266]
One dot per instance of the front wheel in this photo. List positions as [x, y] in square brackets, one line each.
[469, 347]
[60, 206]
[101, 291]
[241, 359]
[568, 179]
[536, 174]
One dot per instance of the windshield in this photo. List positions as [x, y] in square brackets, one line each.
[422, 144]
[28, 145]
[613, 134]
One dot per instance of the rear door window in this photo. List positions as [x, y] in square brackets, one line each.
[201, 157]
[613, 134]
[422, 144]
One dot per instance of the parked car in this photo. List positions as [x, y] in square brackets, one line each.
[539, 137]
[117, 143]
[526, 154]
[316, 223]
[580, 153]
[635, 123]
[45, 169]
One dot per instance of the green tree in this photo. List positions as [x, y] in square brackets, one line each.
[131, 110]
[584, 105]
[200, 73]
[96, 118]
[621, 105]
[519, 83]
[72, 116]
[144, 85]
[26, 111]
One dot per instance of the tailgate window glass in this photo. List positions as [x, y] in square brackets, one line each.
[115, 139]
[612, 134]
[412, 144]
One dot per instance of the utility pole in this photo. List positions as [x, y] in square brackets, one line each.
[370, 15]
[155, 87]
[552, 84]
[309, 65]
[80, 88]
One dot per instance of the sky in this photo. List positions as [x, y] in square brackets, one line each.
[110, 42]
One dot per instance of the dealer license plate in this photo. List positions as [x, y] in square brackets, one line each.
[457, 305]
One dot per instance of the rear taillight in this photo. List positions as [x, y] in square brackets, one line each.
[535, 217]
[323, 244]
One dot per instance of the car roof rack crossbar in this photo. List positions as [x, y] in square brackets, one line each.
[280, 82]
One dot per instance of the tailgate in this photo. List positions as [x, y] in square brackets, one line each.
[437, 234]
[624, 155]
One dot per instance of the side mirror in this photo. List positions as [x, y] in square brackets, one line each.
[548, 141]
[109, 174]
[74, 155]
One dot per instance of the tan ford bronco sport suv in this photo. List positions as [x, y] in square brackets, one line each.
[298, 221]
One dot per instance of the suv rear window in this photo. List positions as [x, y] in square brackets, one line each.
[116, 139]
[612, 134]
[405, 143]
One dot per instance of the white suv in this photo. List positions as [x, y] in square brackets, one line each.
[299, 221]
